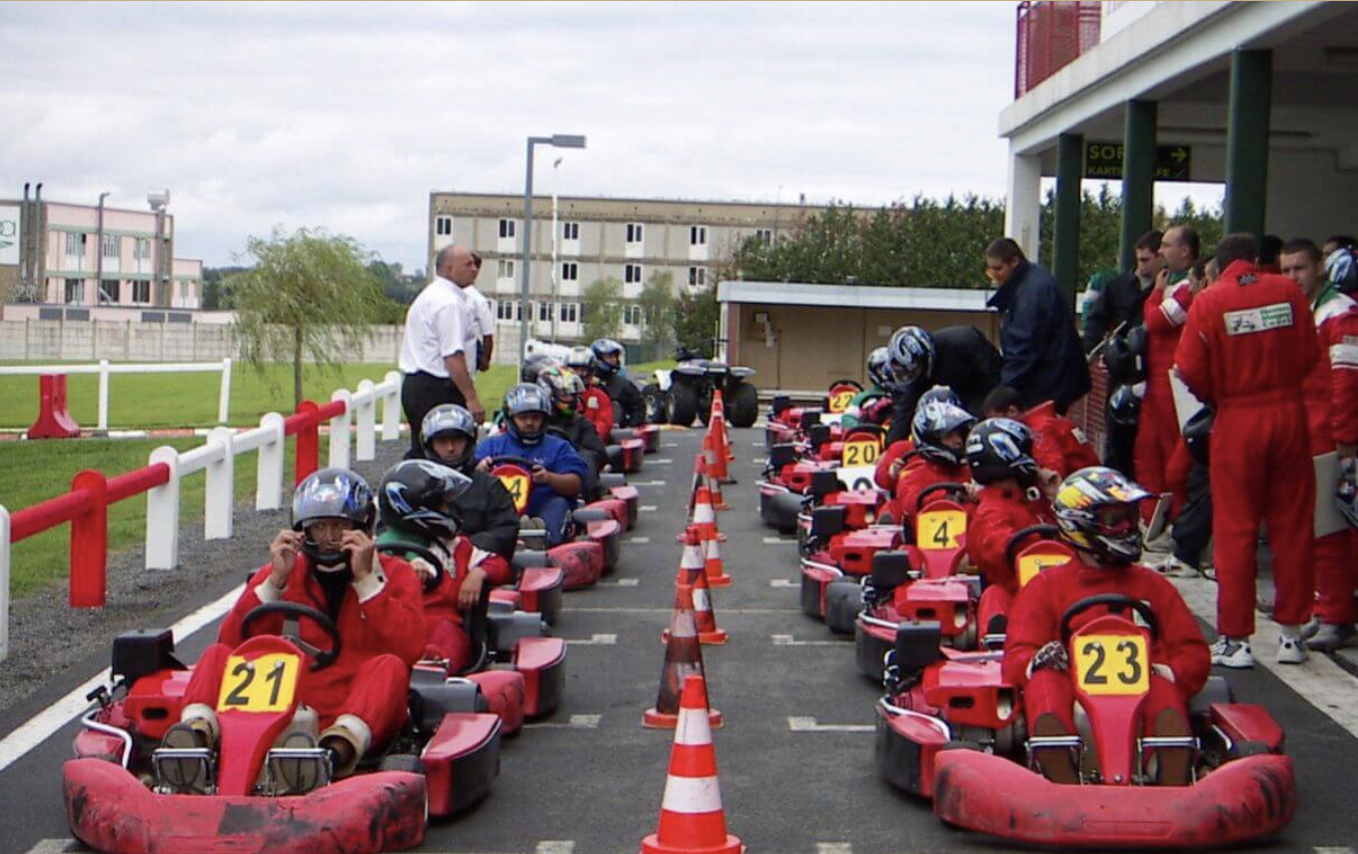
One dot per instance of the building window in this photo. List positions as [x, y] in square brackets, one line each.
[570, 272]
[142, 249]
[75, 290]
[634, 232]
[631, 274]
[697, 276]
[570, 231]
[443, 226]
[697, 235]
[570, 312]
[544, 311]
[75, 243]
[504, 269]
[141, 291]
[110, 291]
[764, 235]
[504, 310]
[507, 227]
[631, 314]
[111, 245]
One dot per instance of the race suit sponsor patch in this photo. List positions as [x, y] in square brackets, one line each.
[1261, 319]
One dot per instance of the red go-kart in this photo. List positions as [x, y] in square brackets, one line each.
[839, 559]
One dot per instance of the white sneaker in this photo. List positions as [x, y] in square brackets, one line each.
[1172, 567]
[1291, 649]
[1227, 652]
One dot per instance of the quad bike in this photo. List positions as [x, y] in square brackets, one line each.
[679, 395]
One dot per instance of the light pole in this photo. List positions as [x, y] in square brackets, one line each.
[556, 141]
[99, 249]
[556, 268]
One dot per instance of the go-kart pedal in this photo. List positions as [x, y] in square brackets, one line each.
[298, 766]
[184, 762]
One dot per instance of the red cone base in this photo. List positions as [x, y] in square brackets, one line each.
[652, 719]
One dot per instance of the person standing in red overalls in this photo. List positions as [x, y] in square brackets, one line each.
[1332, 415]
[1247, 348]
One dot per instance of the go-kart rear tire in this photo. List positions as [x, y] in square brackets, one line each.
[743, 407]
[683, 404]
[843, 601]
[408, 763]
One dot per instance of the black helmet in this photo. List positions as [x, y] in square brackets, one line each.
[1125, 357]
[533, 366]
[523, 398]
[1125, 406]
[1097, 510]
[1198, 435]
[606, 347]
[879, 372]
[444, 420]
[1001, 448]
[331, 493]
[910, 354]
[417, 497]
[565, 389]
[934, 420]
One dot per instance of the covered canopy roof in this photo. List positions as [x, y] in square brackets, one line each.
[852, 296]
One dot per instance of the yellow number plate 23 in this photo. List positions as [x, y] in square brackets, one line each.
[860, 452]
[517, 484]
[1112, 665]
[264, 684]
[941, 529]
[840, 400]
[1030, 565]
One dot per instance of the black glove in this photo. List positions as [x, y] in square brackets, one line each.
[1052, 656]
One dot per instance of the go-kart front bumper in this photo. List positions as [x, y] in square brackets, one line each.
[779, 506]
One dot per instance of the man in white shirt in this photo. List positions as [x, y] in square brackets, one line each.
[434, 347]
[484, 325]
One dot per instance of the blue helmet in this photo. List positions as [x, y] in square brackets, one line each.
[910, 354]
[448, 419]
[331, 493]
[607, 347]
[525, 398]
[879, 372]
[1001, 448]
[934, 420]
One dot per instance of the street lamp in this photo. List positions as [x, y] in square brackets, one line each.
[556, 267]
[99, 249]
[558, 140]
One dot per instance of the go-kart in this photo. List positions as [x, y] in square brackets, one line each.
[950, 728]
[599, 528]
[628, 445]
[118, 799]
[685, 392]
[831, 574]
[783, 488]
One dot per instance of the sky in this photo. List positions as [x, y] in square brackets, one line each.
[345, 116]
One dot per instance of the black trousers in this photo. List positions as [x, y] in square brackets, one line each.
[1193, 529]
[421, 392]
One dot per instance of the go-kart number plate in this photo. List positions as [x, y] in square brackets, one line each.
[264, 684]
[840, 400]
[855, 478]
[1030, 565]
[941, 529]
[860, 452]
[517, 484]
[1112, 665]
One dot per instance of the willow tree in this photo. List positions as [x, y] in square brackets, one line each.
[305, 296]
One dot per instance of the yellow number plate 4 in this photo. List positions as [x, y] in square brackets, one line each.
[264, 684]
[941, 529]
[1112, 665]
[517, 484]
[860, 452]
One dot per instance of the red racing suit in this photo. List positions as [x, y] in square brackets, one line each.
[381, 622]
[1331, 390]
[1247, 349]
[598, 409]
[1057, 443]
[1165, 312]
[1000, 513]
[1035, 620]
[444, 636]
[894, 452]
[920, 474]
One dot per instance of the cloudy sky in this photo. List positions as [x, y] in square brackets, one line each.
[346, 115]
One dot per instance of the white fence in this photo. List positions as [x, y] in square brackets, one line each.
[105, 368]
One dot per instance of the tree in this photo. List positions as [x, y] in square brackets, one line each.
[658, 313]
[305, 294]
[602, 307]
[215, 295]
[695, 321]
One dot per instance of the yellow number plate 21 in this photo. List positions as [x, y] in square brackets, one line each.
[941, 529]
[517, 484]
[1112, 665]
[264, 684]
[860, 452]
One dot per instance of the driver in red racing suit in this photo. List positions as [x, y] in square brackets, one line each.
[939, 431]
[1097, 511]
[326, 561]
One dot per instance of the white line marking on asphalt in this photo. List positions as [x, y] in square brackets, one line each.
[664, 461]
[1333, 849]
[576, 722]
[759, 461]
[648, 483]
[784, 583]
[724, 611]
[789, 640]
[619, 582]
[54, 846]
[778, 541]
[669, 444]
[555, 846]
[809, 724]
[638, 540]
[594, 640]
[1320, 681]
[42, 726]
[646, 508]
[834, 848]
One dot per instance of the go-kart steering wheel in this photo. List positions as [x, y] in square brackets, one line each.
[957, 489]
[292, 611]
[852, 383]
[526, 465]
[400, 550]
[1110, 600]
[1012, 546]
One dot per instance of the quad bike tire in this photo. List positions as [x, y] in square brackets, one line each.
[683, 404]
[743, 406]
[657, 404]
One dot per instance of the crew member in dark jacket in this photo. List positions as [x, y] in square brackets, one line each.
[960, 357]
[448, 435]
[629, 407]
[1043, 359]
[1120, 302]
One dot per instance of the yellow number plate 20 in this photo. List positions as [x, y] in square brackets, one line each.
[860, 452]
[1112, 665]
[941, 529]
[840, 400]
[517, 484]
[264, 684]
[1030, 565]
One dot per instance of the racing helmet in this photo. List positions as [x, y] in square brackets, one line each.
[416, 496]
[331, 493]
[910, 354]
[940, 394]
[533, 366]
[1198, 434]
[933, 421]
[1125, 357]
[565, 389]
[1346, 494]
[878, 370]
[580, 360]
[1096, 509]
[444, 420]
[521, 399]
[606, 347]
[1124, 406]
[999, 449]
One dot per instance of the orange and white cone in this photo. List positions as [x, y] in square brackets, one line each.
[683, 658]
[714, 489]
[714, 449]
[692, 820]
[713, 567]
[704, 517]
[693, 571]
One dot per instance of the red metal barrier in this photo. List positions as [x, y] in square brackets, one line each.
[54, 419]
[306, 459]
[1049, 36]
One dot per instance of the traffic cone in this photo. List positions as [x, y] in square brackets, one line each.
[713, 567]
[714, 450]
[683, 657]
[693, 571]
[692, 820]
[704, 518]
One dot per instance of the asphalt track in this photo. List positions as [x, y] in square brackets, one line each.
[590, 778]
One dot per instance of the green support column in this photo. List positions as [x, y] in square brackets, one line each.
[1247, 140]
[1138, 178]
[1066, 245]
